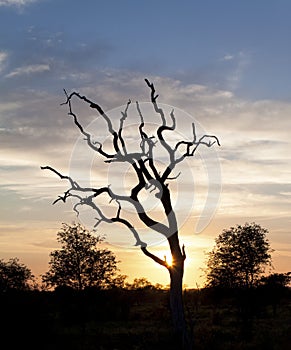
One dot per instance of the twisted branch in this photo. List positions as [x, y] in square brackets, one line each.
[143, 165]
[191, 146]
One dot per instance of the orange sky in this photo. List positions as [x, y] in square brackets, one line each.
[238, 182]
[226, 69]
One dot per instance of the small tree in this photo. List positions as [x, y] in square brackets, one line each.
[239, 257]
[15, 275]
[79, 263]
[276, 280]
[140, 284]
[275, 287]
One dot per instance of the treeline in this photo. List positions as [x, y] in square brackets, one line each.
[238, 260]
[84, 303]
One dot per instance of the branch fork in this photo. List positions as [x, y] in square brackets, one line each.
[143, 164]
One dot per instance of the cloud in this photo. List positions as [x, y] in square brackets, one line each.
[27, 70]
[55, 63]
[238, 65]
[226, 73]
[254, 154]
[16, 2]
[3, 59]
[36, 131]
[228, 57]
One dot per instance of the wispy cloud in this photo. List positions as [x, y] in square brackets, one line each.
[16, 2]
[243, 61]
[239, 62]
[253, 139]
[3, 59]
[254, 154]
[27, 70]
[228, 57]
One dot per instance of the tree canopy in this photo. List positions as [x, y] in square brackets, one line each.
[239, 256]
[80, 263]
[15, 275]
[276, 280]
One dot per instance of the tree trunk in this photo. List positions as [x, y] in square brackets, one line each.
[176, 304]
[176, 270]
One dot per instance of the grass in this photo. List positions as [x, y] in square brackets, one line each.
[140, 320]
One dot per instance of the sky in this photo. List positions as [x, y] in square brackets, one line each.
[224, 64]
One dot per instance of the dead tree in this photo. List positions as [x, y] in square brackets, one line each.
[147, 174]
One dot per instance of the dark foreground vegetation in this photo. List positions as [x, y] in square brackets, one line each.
[139, 319]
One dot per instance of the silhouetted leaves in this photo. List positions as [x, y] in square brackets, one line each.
[80, 263]
[15, 275]
[239, 257]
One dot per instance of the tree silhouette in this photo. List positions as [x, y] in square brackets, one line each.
[276, 280]
[80, 263]
[149, 176]
[275, 287]
[239, 257]
[15, 275]
[140, 284]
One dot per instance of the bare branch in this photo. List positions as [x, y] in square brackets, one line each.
[191, 146]
[174, 177]
[147, 141]
[122, 119]
[164, 125]
[154, 101]
[149, 222]
[73, 183]
[95, 106]
[155, 258]
[194, 132]
[183, 252]
[143, 164]
[88, 136]
[89, 202]
[205, 140]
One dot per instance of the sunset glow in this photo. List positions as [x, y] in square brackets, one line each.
[225, 67]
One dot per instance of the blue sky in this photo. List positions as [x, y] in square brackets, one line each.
[225, 62]
[197, 41]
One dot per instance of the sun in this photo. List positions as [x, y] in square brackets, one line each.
[168, 258]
